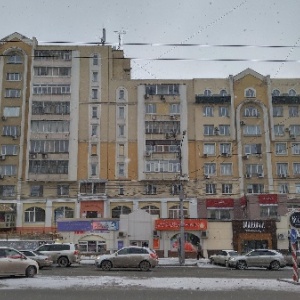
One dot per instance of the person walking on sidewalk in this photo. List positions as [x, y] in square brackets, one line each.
[199, 251]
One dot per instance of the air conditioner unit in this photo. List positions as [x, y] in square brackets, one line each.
[204, 234]
[246, 156]
[261, 175]
[287, 129]
[14, 137]
[122, 234]
[250, 191]
[153, 117]
[248, 175]
[44, 155]
[292, 136]
[32, 155]
[242, 123]
[162, 97]
[205, 154]
[225, 154]
[207, 176]
[4, 118]
[146, 96]
[2, 157]
[280, 236]
[172, 117]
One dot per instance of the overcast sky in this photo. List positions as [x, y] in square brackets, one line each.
[200, 22]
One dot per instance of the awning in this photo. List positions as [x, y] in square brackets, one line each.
[267, 199]
[220, 203]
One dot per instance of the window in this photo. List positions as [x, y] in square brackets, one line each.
[295, 129]
[268, 211]
[48, 166]
[162, 166]
[95, 112]
[209, 130]
[283, 188]
[282, 169]
[176, 188]
[174, 212]
[51, 89]
[296, 148]
[175, 109]
[255, 188]
[51, 107]
[226, 188]
[169, 127]
[253, 149]
[94, 130]
[276, 93]
[121, 189]
[8, 170]
[12, 93]
[224, 130]
[7, 190]
[279, 130]
[277, 111]
[293, 111]
[296, 168]
[11, 131]
[292, 92]
[11, 111]
[121, 130]
[151, 209]
[93, 169]
[120, 210]
[251, 112]
[223, 111]
[210, 188]
[52, 54]
[252, 130]
[207, 92]
[208, 111]
[280, 149]
[219, 214]
[162, 89]
[51, 126]
[94, 93]
[223, 93]
[121, 112]
[92, 187]
[226, 169]
[14, 58]
[121, 94]
[121, 169]
[209, 149]
[9, 150]
[34, 214]
[210, 169]
[63, 190]
[121, 149]
[36, 191]
[150, 189]
[150, 108]
[63, 212]
[95, 60]
[52, 71]
[95, 77]
[13, 76]
[254, 169]
[297, 186]
[225, 148]
[250, 93]
[49, 146]
[94, 149]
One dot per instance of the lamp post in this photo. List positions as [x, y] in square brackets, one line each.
[181, 198]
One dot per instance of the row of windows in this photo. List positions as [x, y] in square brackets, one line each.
[278, 111]
[52, 71]
[48, 166]
[49, 146]
[52, 54]
[52, 126]
[174, 108]
[51, 107]
[162, 127]
[291, 92]
[51, 89]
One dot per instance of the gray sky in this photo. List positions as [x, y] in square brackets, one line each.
[201, 22]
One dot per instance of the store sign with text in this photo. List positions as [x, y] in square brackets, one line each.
[254, 226]
[295, 219]
[174, 224]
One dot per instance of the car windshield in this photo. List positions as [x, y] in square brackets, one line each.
[232, 253]
[37, 253]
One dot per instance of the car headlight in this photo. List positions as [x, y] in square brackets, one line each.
[231, 259]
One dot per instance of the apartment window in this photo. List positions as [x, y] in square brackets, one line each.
[296, 168]
[219, 214]
[162, 89]
[223, 93]
[295, 129]
[63, 212]
[176, 188]
[279, 130]
[226, 169]
[14, 58]
[255, 188]
[292, 92]
[223, 111]
[95, 77]
[283, 188]
[282, 169]
[8, 170]
[276, 93]
[34, 214]
[277, 111]
[49, 146]
[207, 92]
[95, 60]
[208, 111]
[175, 109]
[269, 211]
[52, 71]
[120, 210]
[174, 212]
[11, 130]
[293, 111]
[95, 112]
[225, 148]
[48, 166]
[150, 108]
[121, 130]
[121, 94]
[253, 149]
[121, 149]
[150, 189]
[210, 188]
[296, 148]
[12, 93]
[252, 130]
[121, 112]
[94, 150]
[251, 112]
[224, 130]
[63, 190]
[53, 126]
[250, 93]
[94, 93]
[281, 148]
[11, 111]
[13, 76]
[51, 107]
[162, 166]
[226, 188]
[7, 190]
[93, 169]
[36, 190]
[121, 189]
[51, 89]
[94, 130]
[52, 54]
[209, 130]
[92, 187]
[254, 169]
[9, 149]
[297, 186]
[209, 149]
[210, 169]
[121, 169]
[151, 209]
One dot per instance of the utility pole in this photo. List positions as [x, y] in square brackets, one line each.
[181, 198]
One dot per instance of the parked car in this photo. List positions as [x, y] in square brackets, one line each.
[62, 254]
[13, 262]
[264, 258]
[221, 258]
[40, 258]
[128, 257]
[289, 260]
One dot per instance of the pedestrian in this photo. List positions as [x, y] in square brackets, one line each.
[199, 251]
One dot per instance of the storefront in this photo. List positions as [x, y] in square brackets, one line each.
[254, 234]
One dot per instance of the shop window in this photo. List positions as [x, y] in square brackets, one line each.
[269, 211]
[120, 210]
[151, 209]
[63, 212]
[174, 212]
[34, 214]
[219, 214]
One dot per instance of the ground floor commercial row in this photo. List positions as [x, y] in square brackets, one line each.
[140, 228]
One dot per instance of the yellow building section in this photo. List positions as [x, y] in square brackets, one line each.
[132, 162]
[56, 205]
[82, 171]
[147, 204]
[107, 160]
[116, 204]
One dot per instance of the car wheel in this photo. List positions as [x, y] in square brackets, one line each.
[63, 261]
[241, 265]
[144, 265]
[30, 271]
[275, 265]
[106, 265]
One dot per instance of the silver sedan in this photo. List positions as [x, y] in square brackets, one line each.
[221, 258]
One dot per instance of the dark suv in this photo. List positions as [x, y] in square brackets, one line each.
[62, 254]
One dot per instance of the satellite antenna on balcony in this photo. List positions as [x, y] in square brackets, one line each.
[120, 35]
